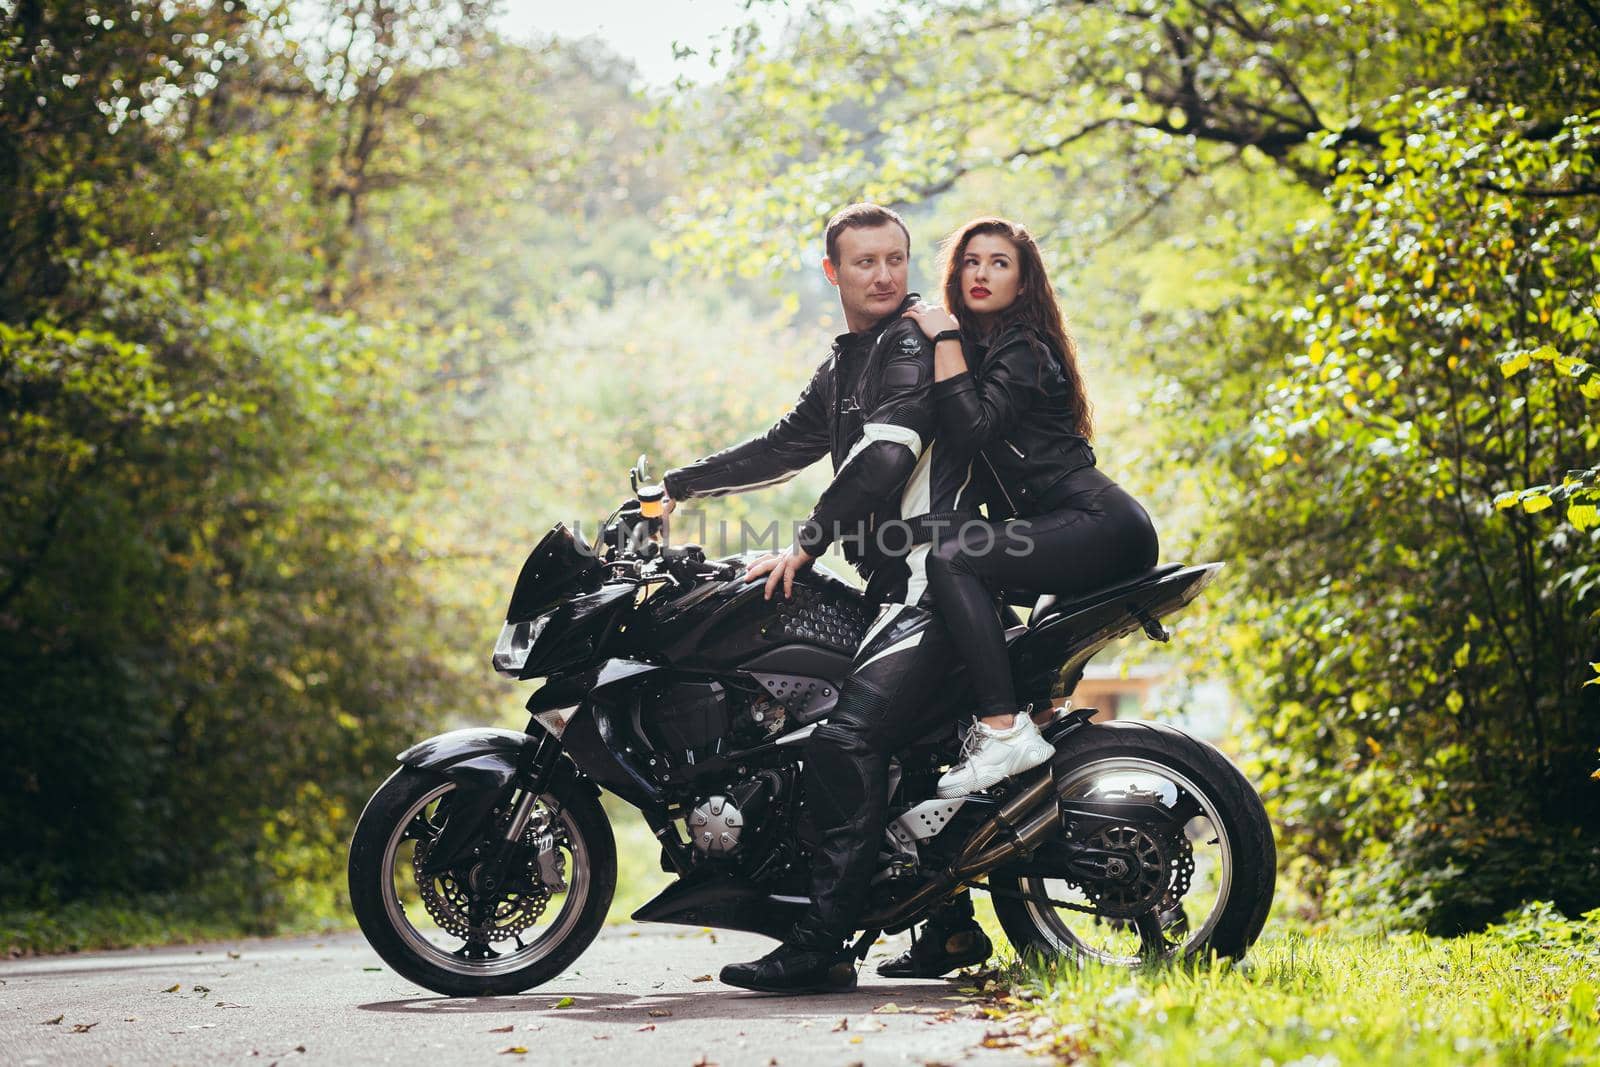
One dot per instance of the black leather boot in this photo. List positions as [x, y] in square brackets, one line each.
[951, 939]
[795, 969]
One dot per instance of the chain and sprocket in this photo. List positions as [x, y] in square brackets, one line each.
[1151, 871]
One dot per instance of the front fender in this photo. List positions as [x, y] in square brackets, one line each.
[485, 763]
[446, 750]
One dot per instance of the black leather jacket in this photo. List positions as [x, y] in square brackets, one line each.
[1011, 412]
[870, 407]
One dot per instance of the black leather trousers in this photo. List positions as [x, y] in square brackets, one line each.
[882, 708]
[1094, 535]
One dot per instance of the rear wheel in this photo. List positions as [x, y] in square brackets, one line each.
[1202, 884]
[435, 931]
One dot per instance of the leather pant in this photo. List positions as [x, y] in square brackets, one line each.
[883, 707]
[1095, 534]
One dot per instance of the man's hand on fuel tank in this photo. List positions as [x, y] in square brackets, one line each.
[780, 568]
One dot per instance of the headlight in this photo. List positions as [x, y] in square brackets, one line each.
[516, 642]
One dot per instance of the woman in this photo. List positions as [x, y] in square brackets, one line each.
[1007, 387]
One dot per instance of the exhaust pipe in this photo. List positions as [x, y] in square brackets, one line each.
[1018, 826]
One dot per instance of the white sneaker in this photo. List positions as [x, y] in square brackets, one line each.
[988, 756]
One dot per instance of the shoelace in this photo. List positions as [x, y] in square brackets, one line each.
[972, 742]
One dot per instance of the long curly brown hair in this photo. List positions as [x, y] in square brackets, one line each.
[1035, 305]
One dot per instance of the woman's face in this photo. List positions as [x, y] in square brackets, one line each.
[990, 279]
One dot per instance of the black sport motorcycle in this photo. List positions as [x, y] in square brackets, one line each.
[485, 864]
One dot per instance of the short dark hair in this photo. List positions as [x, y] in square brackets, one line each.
[860, 217]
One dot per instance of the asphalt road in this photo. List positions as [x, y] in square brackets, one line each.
[638, 998]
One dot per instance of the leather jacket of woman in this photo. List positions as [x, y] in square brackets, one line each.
[1012, 411]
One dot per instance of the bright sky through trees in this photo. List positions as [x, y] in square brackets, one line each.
[643, 31]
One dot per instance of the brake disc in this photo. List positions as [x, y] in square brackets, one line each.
[448, 899]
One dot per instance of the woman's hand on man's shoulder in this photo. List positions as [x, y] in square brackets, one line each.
[932, 319]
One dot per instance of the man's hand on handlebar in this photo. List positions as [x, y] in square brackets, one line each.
[780, 568]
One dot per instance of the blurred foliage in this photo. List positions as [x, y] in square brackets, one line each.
[1423, 654]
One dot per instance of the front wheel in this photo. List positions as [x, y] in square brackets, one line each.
[437, 932]
[1200, 880]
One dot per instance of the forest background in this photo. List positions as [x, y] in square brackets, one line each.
[314, 316]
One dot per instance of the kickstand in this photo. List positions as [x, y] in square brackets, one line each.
[863, 943]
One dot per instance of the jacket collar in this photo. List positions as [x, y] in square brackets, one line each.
[1006, 333]
[870, 334]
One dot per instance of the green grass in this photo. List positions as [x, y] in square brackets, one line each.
[152, 919]
[1521, 993]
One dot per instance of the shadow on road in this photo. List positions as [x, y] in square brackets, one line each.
[712, 1003]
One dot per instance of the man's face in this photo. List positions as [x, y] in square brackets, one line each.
[871, 274]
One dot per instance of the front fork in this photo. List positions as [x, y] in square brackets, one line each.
[481, 787]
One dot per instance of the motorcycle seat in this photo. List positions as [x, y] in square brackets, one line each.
[1050, 606]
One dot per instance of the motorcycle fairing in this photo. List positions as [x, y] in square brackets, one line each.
[707, 897]
[578, 630]
[559, 564]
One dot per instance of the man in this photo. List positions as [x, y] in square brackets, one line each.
[869, 406]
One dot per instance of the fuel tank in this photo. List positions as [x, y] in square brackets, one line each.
[723, 625]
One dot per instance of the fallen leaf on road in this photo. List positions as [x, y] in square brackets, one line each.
[227, 1004]
[534, 1026]
[842, 1024]
[131, 1019]
[502, 1029]
[173, 988]
[702, 1061]
[564, 1002]
[703, 978]
[855, 1040]
[646, 1028]
[887, 1009]
[601, 1037]
[56, 1021]
[655, 1013]
[233, 955]
[873, 1026]
[202, 989]
[83, 1028]
[514, 1050]
[999, 1039]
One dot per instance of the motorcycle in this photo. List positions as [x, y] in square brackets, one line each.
[485, 864]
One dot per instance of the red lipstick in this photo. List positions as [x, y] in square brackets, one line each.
[978, 291]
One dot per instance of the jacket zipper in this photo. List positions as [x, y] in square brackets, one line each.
[1015, 449]
[1001, 485]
